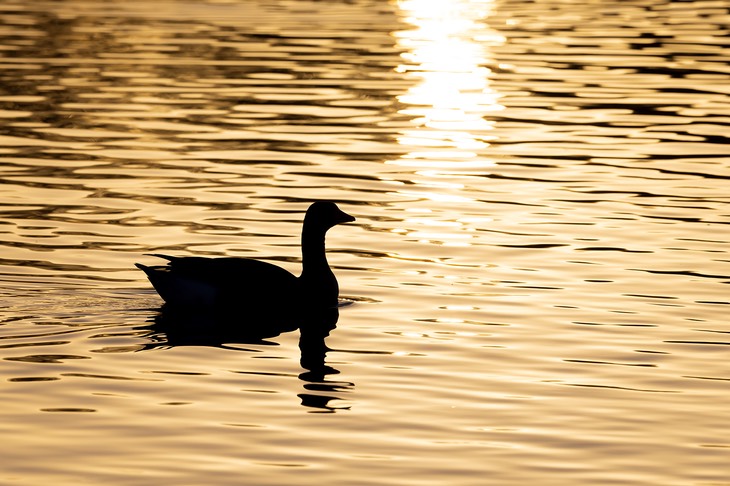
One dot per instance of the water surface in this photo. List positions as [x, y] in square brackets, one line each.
[535, 290]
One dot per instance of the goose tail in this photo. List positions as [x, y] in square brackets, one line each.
[144, 268]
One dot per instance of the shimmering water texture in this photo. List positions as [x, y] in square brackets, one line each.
[535, 290]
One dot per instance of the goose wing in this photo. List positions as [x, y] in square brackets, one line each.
[200, 281]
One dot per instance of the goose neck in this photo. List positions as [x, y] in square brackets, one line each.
[313, 252]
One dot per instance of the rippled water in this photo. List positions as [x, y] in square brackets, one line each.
[536, 284]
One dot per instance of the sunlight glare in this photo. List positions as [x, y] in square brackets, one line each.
[447, 54]
[451, 104]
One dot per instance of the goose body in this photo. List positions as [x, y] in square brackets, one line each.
[242, 283]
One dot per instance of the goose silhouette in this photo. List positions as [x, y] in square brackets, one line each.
[244, 285]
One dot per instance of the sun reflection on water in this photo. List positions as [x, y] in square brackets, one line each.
[447, 55]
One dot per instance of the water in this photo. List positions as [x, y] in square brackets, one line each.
[536, 286]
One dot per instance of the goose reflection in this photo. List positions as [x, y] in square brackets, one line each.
[313, 359]
[172, 327]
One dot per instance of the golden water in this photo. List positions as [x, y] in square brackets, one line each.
[537, 279]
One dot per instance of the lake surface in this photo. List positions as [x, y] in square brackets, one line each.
[535, 291]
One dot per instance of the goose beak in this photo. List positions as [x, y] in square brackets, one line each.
[343, 217]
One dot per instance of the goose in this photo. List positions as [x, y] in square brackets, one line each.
[245, 284]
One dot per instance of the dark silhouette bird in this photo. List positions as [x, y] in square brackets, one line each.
[245, 286]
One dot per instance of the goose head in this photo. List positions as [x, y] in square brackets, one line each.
[323, 215]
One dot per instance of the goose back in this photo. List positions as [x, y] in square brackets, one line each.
[199, 282]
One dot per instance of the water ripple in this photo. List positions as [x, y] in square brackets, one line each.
[541, 200]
